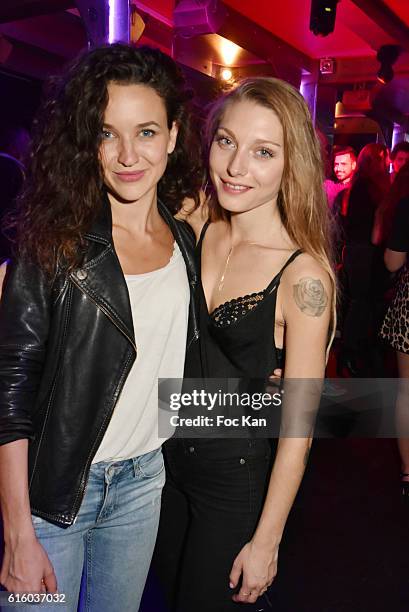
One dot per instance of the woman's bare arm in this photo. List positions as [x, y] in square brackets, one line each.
[306, 308]
[305, 301]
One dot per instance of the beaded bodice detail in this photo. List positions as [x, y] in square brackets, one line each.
[232, 311]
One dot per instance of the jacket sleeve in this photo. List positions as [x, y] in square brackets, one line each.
[24, 325]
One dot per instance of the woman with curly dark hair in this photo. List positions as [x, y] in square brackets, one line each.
[94, 310]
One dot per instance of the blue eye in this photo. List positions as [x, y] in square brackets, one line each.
[148, 133]
[223, 141]
[265, 153]
[106, 134]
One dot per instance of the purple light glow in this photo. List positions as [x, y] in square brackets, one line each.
[396, 134]
[119, 24]
[303, 88]
[308, 90]
[112, 7]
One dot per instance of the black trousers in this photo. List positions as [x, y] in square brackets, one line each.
[211, 504]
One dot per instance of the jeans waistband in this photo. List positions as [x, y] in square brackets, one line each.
[115, 469]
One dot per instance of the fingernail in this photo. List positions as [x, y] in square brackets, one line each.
[231, 585]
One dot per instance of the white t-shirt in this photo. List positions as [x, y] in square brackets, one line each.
[160, 310]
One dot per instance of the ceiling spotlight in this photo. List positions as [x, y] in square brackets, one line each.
[387, 56]
[322, 16]
[226, 74]
[228, 50]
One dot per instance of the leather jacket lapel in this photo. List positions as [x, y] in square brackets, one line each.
[101, 276]
[102, 280]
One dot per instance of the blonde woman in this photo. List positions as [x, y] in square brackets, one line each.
[266, 286]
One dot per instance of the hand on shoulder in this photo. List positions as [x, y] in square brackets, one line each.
[195, 216]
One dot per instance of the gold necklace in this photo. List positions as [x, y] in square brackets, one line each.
[221, 281]
[226, 265]
[230, 253]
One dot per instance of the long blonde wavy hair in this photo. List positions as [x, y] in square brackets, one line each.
[301, 200]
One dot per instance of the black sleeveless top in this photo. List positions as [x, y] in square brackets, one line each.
[237, 338]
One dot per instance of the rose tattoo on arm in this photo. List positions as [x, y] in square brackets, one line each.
[310, 296]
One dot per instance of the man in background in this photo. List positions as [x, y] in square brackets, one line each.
[344, 168]
[399, 156]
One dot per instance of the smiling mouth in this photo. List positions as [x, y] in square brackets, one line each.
[130, 177]
[233, 187]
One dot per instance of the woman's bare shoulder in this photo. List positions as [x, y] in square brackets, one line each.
[304, 263]
[306, 278]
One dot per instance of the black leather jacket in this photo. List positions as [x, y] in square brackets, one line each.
[66, 350]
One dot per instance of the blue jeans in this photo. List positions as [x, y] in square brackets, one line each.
[112, 539]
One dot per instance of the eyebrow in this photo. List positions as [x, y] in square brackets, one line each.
[257, 141]
[139, 125]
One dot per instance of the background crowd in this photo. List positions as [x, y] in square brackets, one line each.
[365, 195]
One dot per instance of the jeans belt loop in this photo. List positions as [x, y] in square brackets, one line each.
[135, 466]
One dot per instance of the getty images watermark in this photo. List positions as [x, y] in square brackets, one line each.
[238, 408]
[221, 400]
[242, 408]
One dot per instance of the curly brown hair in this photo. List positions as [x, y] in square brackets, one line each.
[64, 185]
